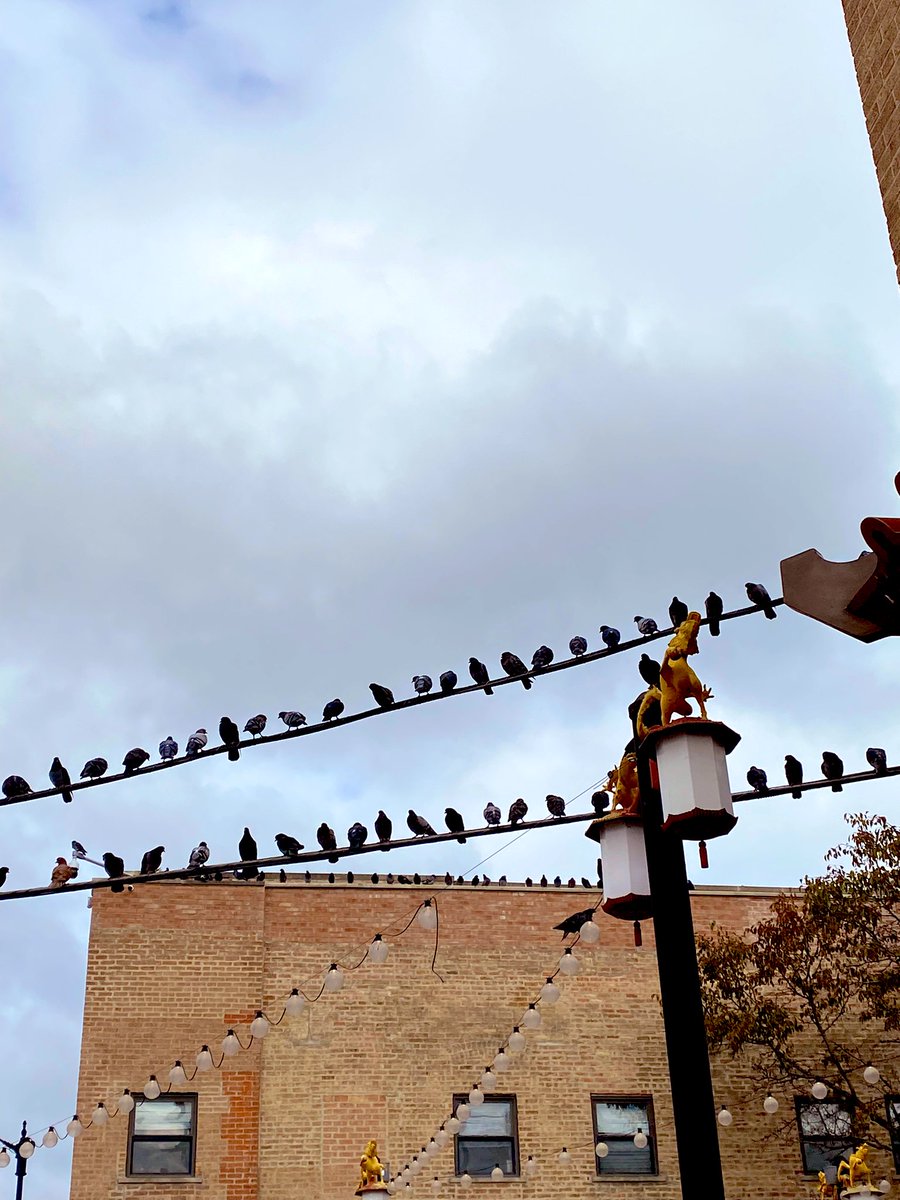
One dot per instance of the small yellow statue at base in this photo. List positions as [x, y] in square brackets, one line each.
[678, 684]
[626, 792]
[371, 1172]
[855, 1172]
[825, 1190]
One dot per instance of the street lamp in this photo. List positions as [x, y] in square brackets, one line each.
[23, 1150]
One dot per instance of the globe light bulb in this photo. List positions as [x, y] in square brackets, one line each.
[884, 1187]
[770, 1104]
[50, 1138]
[871, 1075]
[565, 1156]
[549, 992]
[259, 1026]
[152, 1088]
[427, 915]
[405, 1173]
[177, 1076]
[432, 1148]
[516, 1041]
[415, 1166]
[74, 1128]
[462, 1112]
[391, 1187]
[294, 1004]
[453, 1125]
[819, 1090]
[27, 1148]
[530, 1165]
[724, 1118]
[334, 980]
[532, 1018]
[501, 1061]
[497, 1172]
[4, 1159]
[435, 1185]
[378, 951]
[126, 1102]
[569, 964]
[230, 1047]
[442, 1137]
[488, 1080]
[465, 1180]
[476, 1096]
[589, 932]
[99, 1116]
[640, 1139]
[407, 1187]
[601, 1149]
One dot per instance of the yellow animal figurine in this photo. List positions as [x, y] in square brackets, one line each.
[825, 1190]
[626, 792]
[855, 1172]
[371, 1172]
[678, 684]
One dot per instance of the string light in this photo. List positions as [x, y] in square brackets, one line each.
[550, 992]
[819, 1090]
[724, 1118]
[532, 1018]
[427, 916]
[476, 1096]
[516, 1041]
[204, 1060]
[640, 1140]
[569, 964]
[334, 979]
[770, 1104]
[564, 1156]
[4, 1158]
[100, 1115]
[177, 1077]
[871, 1075]
[125, 1104]
[488, 1080]
[465, 1180]
[501, 1061]
[27, 1148]
[230, 1047]
[530, 1165]
[601, 1149]
[442, 1137]
[497, 1172]
[432, 1148]
[462, 1112]
[454, 1124]
[50, 1138]
[435, 1185]
[590, 932]
[259, 1026]
[74, 1128]
[378, 951]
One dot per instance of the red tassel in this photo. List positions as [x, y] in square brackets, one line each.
[638, 936]
[704, 857]
[654, 775]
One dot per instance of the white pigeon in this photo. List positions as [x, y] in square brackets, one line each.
[196, 742]
[199, 855]
[646, 626]
[293, 720]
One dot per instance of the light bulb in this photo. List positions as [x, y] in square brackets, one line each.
[589, 933]
[453, 1125]
[532, 1018]
[530, 1165]
[819, 1090]
[488, 1080]
[204, 1061]
[294, 1004]
[435, 1185]
[432, 1148]
[569, 964]
[126, 1102]
[334, 980]
[378, 951]
[476, 1096]
[26, 1149]
[884, 1187]
[871, 1075]
[151, 1088]
[427, 915]
[601, 1149]
[501, 1061]
[100, 1114]
[391, 1187]
[74, 1127]
[724, 1118]
[50, 1138]
[259, 1026]
[640, 1139]
[230, 1047]
[415, 1166]
[177, 1076]
[407, 1187]
[462, 1112]
[516, 1041]
[497, 1172]
[405, 1173]
[565, 1156]
[770, 1104]
[549, 992]
[465, 1180]
[442, 1137]
[4, 1159]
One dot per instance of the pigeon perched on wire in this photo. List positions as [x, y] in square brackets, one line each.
[255, 725]
[480, 674]
[572, 924]
[114, 868]
[714, 609]
[556, 806]
[517, 811]
[356, 836]
[757, 594]
[135, 759]
[332, 710]
[758, 780]
[195, 743]
[15, 785]
[513, 666]
[455, 823]
[422, 684]
[326, 839]
[384, 826]
[448, 681]
[168, 749]
[287, 845]
[62, 873]
[646, 626]
[877, 760]
[231, 736]
[649, 670]
[418, 825]
[78, 850]
[578, 645]
[152, 860]
[599, 801]
[4, 871]
[793, 773]
[60, 778]
[492, 814]
[94, 768]
[199, 855]
[832, 768]
[292, 719]
[248, 853]
[383, 696]
[678, 612]
[541, 658]
[610, 637]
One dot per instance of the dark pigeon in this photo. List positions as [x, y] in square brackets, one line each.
[114, 868]
[757, 594]
[255, 725]
[832, 768]
[78, 850]
[556, 806]
[877, 760]
[649, 670]
[492, 814]
[513, 666]
[282, 876]
[384, 826]
[758, 780]
[610, 637]
[678, 612]
[152, 860]
[479, 673]
[356, 836]
[448, 681]
[384, 697]
[578, 645]
[418, 825]
[646, 626]
[543, 881]
[60, 778]
[248, 853]
[455, 823]
[292, 718]
[541, 658]
[4, 871]
[422, 684]
[517, 811]
[572, 924]
[714, 609]
[94, 768]
[15, 785]
[287, 845]
[599, 801]
[332, 710]
[230, 735]
[326, 839]
[168, 749]
[793, 773]
[134, 760]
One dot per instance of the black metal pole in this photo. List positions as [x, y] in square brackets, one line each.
[21, 1161]
[693, 1103]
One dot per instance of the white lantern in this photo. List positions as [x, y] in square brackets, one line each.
[532, 1018]
[884, 1187]
[378, 951]
[465, 1180]
[626, 883]
[50, 1138]
[99, 1116]
[334, 979]
[693, 777]
[74, 1128]
[295, 1003]
[589, 933]
[442, 1137]
[432, 1148]
[27, 1148]
[516, 1041]
[640, 1140]
[259, 1026]
[462, 1112]
[725, 1118]
[427, 915]
[819, 1090]
[453, 1125]
[177, 1076]
[564, 1156]
[476, 1096]
[4, 1159]
[569, 964]
[230, 1047]
[530, 1165]
[871, 1075]
[770, 1104]
[501, 1061]
[152, 1088]
[549, 992]
[497, 1172]
[204, 1060]
[126, 1102]
[435, 1185]
[488, 1080]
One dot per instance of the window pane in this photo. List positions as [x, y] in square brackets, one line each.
[160, 1158]
[818, 1156]
[624, 1158]
[480, 1158]
[625, 1118]
[824, 1119]
[492, 1117]
[173, 1117]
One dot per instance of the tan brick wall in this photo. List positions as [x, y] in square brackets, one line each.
[874, 29]
[171, 966]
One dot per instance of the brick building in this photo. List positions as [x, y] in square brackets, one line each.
[171, 967]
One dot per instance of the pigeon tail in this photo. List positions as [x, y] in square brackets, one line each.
[526, 684]
[233, 754]
[797, 795]
[67, 796]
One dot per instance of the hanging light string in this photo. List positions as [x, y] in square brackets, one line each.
[410, 702]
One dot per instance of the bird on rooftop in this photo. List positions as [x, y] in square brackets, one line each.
[356, 836]
[492, 814]
[134, 760]
[541, 658]
[479, 673]
[195, 743]
[529, 882]
[350, 876]
[62, 873]
[287, 845]
[199, 855]
[513, 666]
[448, 880]
[578, 645]
[168, 749]
[586, 882]
[757, 594]
[517, 811]
[60, 778]
[114, 867]
[678, 612]
[255, 725]
[714, 608]
[610, 637]
[282, 875]
[383, 696]
[832, 768]
[326, 839]
[422, 684]
[448, 681]
[573, 923]
[646, 626]
[94, 768]
[877, 760]
[418, 825]
[758, 780]
[455, 823]
[292, 718]
[384, 826]
[557, 882]
[152, 860]
[332, 710]
[556, 806]
[649, 670]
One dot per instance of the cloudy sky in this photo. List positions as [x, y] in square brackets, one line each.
[341, 342]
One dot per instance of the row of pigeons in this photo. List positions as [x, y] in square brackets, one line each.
[15, 786]
[832, 768]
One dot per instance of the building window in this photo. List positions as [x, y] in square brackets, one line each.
[826, 1134]
[892, 1104]
[616, 1121]
[162, 1136]
[489, 1137]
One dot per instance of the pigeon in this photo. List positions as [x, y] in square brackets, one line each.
[331, 876]
[517, 811]
[678, 612]
[293, 720]
[374, 877]
[114, 868]
[403, 879]
[59, 777]
[255, 725]
[714, 608]
[586, 882]
[78, 850]
[15, 785]
[572, 924]
[646, 626]
[199, 855]
[578, 645]
[384, 697]
[832, 768]
[332, 710]
[529, 882]
[877, 760]
[92, 769]
[230, 735]
[287, 845]
[418, 825]
[168, 749]
[484, 879]
[356, 836]
[543, 881]
[134, 760]
[455, 823]
[793, 773]
[649, 670]
[502, 881]
[326, 839]
[599, 801]
[474, 881]
[758, 595]
[513, 665]
[448, 681]
[350, 876]
[479, 673]
[282, 875]
[248, 852]
[556, 806]
[541, 658]
[557, 882]
[611, 637]
[195, 743]
[422, 684]
[152, 860]
[384, 826]
[492, 814]
[448, 880]
[758, 780]
[4, 871]
[62, 873]
[570, 883]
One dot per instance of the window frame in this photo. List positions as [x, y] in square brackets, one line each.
[893, 1120]
[191, 1138]
[644, 1098]
[802, 1103]
[507, 1098]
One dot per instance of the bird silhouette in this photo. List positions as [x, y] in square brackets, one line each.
[94, 768]
[199, 855]
[556, 806]
[599, 801]
[646, 626]
[60, 778]
[114, 868]
[356, 836]
[384, 826]
[557, 882]
[517, 811]
[877, 760]
[448, 880]
[332, 710]
[541, 658]
[255, 725]
[384, 697]
[448, 681]
[248, 853]
[832, 768]
[168, 749]
[292, 719]
[230, 735]
[152, 860]
[578, 645]
[714, 609]
[479, 673]
[678, 612]
[758, 780]
[586, 882]
[757, 594]
[195, 743]
[4, 871]
[287, 845]
[78, 850]
[529, 882]
[418, 825]
[455, 823]
[326, 839]
[15, 785]
[513, 666]
[649, 670]
[422, 684]
[492, 814]
[610, 637]
[282, 875]
[134, 760]
[793, 773]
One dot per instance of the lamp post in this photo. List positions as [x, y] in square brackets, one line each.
[23, 1150]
